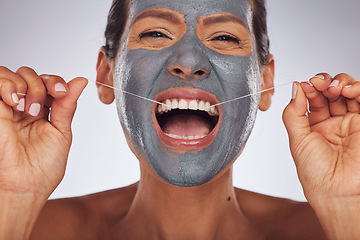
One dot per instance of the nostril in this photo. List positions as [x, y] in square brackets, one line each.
[186, 72]
[199, 73]
[177, 70]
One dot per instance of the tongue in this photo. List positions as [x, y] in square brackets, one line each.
[187, 125]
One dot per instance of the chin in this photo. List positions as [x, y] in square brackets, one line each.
[186, 142]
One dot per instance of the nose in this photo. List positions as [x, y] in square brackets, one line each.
[188, 61]
[186, 73]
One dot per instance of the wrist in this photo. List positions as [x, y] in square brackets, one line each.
[339, 216]
[18, 214]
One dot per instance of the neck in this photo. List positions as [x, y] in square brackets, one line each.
[208, 211]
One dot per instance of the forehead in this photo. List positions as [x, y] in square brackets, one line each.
[193, 9]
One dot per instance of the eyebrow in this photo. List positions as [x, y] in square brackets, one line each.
[154, 13]
[221, 19]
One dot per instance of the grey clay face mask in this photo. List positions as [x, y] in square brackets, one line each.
[145, 72]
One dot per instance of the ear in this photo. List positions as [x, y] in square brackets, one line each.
[268, 82]
[104, 76]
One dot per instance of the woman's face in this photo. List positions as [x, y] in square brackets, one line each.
[188, 54]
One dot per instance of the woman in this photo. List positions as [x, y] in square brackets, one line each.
[179, 53]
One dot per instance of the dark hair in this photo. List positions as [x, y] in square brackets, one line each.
[116, 23]
[260, 31]
[119, 13]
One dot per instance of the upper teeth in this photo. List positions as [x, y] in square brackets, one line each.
[201, 105]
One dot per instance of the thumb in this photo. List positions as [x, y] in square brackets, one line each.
[63, 109]
[295, 118]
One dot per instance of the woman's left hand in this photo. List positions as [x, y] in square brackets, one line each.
[323, 123]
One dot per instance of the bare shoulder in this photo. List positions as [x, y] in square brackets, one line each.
[280, 218]
[86, 217]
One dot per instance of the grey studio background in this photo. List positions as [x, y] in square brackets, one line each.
[63, 37]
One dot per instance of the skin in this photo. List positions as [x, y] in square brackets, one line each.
[154, 208]
[145, 63]
[333, 125]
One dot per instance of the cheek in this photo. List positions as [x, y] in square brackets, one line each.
[137, 72]
[145, 66]
[239, 76]
[240, 81]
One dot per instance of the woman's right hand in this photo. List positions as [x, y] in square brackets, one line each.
[34, 141]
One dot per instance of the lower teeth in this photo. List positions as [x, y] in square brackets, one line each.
[184, 137]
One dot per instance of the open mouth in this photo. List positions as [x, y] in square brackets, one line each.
[187, 119]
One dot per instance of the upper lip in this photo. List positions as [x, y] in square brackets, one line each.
[189, 94]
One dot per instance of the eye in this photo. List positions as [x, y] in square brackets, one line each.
[153, 34]
[227, 38]
[225, 41]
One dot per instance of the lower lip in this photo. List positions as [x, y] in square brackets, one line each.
[186, 145]
[181, 145]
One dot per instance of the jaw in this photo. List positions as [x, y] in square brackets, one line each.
[187, 122]
[184, 162]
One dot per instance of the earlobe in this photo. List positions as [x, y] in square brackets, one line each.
[104, 76]
[267, 83]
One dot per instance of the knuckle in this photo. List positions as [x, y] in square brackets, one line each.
[315, 109]
[26, 72]
[311, 96]
[326, 75]
[4, 69]
[341, 76]
[287, 112]
[7, 84]
[38, 90]
[56, 78]
[23, 69]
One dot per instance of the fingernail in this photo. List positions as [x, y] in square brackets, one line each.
[334, 83]
[15, 98]
[45, 77]
[21, 105]
[348, 86]
[34, 109]
[294, 90]
[60, 88]
[310, 84]
[320, 76]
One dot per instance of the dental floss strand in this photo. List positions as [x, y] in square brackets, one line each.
[151, 100]
[132, 94]
[251, 94]
[228, 101]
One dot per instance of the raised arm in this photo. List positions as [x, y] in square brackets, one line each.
[34, 143]
[325, 144]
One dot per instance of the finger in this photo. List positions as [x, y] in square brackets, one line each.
[8, 92]
[318, 105]
[321, 81]
[353, 105]
[21, 85]
[48, 102]
[36, 92]
[63, 109]
[295, 119]
[55, 85]
[337, 102]
[352, 93]
[6, 112]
